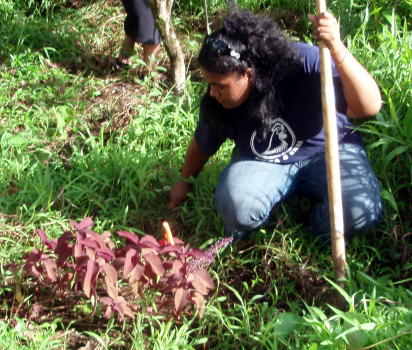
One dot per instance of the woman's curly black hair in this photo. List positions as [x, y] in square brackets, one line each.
[261, 46]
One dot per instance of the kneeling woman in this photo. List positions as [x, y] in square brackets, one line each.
[264, 93]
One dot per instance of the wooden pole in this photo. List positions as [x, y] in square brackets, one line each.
[332, 158]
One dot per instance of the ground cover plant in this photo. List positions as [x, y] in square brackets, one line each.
[83, 260]
[79, 139]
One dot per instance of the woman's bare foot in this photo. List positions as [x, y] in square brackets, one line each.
[124, 60]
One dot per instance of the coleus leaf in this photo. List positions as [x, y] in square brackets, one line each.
[63, 248]
[43, 238]
[130, 261]
[111, 273]
[111, 288]
[176, 275]
[170, 286]
[129, 235]
[191, 277]
[36, 308]
[83, 225]
[135, 287]
[81, 262]
[52, 244]
[51, 269]
[176, 267]
[118, 262]
[196, 253]
[109, 312]
[90, 253]
[65, 280]
[167, 264]
[33, 257]
[30, 265]
[136, 273]
[90, 243]
[145, 250]
[90, 272]
[67, 235]
[185, 249]
[204, 277]
[106, 238]
[128, 311]
[181, 299]
[100, 261]
[122, 307]
[171, 249]
[200, 287]
[98, 239]
[199, 301]
[107, 254]
[78, 247]
[202, 282]
[155, 263]
[149, 241]
[106, 300]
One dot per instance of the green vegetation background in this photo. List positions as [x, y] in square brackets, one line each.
[78, 138]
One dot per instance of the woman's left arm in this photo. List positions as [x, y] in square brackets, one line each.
[360, 89]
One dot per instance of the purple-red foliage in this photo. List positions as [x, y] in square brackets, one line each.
[84, 260]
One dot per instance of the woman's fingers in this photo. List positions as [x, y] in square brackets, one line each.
[178, 194]
[325, 28]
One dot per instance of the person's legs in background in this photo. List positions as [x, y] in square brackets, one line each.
[139, 27]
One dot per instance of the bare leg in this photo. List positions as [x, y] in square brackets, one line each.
[126, 52]
[149, 53]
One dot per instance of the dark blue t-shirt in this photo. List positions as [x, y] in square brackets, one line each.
[297, 133]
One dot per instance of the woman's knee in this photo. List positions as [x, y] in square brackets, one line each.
[362, 206]
[361, 216]
[241, 209]
[357, 217]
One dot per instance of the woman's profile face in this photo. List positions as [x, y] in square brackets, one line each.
[230, 90]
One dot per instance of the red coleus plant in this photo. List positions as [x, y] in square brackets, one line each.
[84, 260]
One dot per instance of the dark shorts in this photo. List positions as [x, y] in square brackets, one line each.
[139, 23]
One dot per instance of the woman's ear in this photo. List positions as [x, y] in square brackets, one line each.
[250, 74]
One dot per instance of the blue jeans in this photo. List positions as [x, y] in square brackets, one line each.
[249, 189]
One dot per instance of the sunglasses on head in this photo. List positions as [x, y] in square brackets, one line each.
[220, 48]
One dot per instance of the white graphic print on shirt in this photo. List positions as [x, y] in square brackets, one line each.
[278, 145]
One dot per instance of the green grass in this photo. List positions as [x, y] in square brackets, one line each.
[78, 139]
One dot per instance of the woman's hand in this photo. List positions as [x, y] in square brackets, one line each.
[178, 194]
[360, 89]
[326, 29]
[194, 162]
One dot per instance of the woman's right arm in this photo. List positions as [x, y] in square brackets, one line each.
[194, 162]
